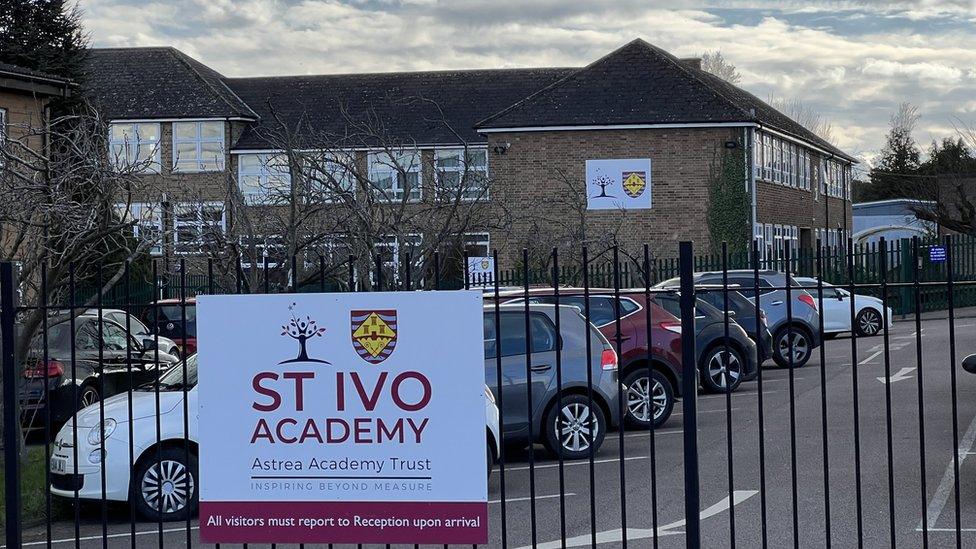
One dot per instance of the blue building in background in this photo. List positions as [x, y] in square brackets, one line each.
[891, 219]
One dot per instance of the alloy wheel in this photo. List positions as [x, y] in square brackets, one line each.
[801, 347]
[167, 486]
[88, 397]
[576, 426]
[639, 398]
[868, 322]
[720, 362]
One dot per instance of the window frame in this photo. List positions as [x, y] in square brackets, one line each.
[134, 211]
[199, 140]
[200, 223]
[464, 169]
[395, 169]
[155, 166]
[264, 173]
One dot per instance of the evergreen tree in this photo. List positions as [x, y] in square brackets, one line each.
[952, 156]
[44, 35]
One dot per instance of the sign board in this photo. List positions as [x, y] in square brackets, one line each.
[342, 418]
[937, 254]
[618, 184]
[481, 271]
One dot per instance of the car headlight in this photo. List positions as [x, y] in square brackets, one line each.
[99, 433]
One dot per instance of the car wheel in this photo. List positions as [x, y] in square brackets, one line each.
[715, 363]
[166, 488]
[491, 456]
[867, 323]
[575, 428]
[801, 347]
[644, 394]
[87, 396]
[175, 352]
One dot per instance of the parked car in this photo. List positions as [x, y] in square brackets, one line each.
[166, 318]
[803, 322]
[568, 423]
[718, 360]
[102, 367]
[139, 330]
[868, 317]
[491, 424]
[650, 391]
[160, 465]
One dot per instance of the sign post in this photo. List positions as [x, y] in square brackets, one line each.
[342, 418]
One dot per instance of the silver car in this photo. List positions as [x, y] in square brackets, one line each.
[571, 423]
[138, 330]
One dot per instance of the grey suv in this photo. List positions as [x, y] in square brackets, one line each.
[570, 424]
[804, 319]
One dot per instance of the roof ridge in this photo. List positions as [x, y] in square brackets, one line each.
[185, 59]
[383, 73]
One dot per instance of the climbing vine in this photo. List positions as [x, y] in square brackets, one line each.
[728, 204]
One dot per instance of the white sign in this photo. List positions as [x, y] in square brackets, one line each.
[481, 271]
[618, 184]
[342, 418]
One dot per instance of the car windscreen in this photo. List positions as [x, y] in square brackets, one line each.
[172, 380]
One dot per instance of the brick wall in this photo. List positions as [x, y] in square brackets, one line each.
[25, 114]
[539, 167]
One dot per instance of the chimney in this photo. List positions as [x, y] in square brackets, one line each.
[693, 62]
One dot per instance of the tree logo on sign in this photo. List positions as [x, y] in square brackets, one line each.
[302, 330]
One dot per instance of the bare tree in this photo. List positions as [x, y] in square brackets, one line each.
[715, 63]
[805, 115]
[60, 200]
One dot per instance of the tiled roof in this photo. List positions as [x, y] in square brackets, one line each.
[385, 108]
[135, 83]
[30, 74]
[642, 84]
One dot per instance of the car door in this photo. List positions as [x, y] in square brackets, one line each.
[836, 310]
[511, 345]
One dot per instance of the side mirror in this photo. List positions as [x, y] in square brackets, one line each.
[148, 344]
[730, 313]
[969, 364]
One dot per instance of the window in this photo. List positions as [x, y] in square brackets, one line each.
[332, 175]
[393, 253]
[397, 176]
[461, 174]
[263, 178]
[258, 249]
[541, 329]
[147, 223]
[197, 226]
[198, 146]
[114, 337]
[135, 146]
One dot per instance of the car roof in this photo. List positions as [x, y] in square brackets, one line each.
[175, 301]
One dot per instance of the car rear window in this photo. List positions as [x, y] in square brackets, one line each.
[512, 325]
[602, 311]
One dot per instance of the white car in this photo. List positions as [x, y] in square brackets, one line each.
[163, 470]
[491, 420]
[869, 317]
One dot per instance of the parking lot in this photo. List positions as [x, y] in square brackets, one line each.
[537, 521]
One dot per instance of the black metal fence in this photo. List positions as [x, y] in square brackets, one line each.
[786, 434]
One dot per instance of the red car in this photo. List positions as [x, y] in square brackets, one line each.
[166, 318]
[664, 356]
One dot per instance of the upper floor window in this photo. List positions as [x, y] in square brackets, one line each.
[396, 176]
[135, 145]
[263, 178]
[147, 223]
[198, 146]
[331, 175]
[197, 225]
[461, 173]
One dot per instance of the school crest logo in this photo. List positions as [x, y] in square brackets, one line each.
[374, 334]
[634, 183]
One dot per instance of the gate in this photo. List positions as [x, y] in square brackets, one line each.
[807, 416]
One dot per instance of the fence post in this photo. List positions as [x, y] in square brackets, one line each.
[11, 416]
[689, 390]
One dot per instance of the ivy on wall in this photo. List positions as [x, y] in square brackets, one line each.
[728, 202]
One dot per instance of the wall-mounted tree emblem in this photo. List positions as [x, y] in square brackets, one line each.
[603, 181]
[302, 330]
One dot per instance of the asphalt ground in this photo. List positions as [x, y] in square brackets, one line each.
[777, 497]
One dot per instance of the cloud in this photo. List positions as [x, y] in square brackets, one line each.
[853, 61]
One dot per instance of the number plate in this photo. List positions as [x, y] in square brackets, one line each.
[59, 464]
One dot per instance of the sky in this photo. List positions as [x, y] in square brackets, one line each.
[852, 62]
